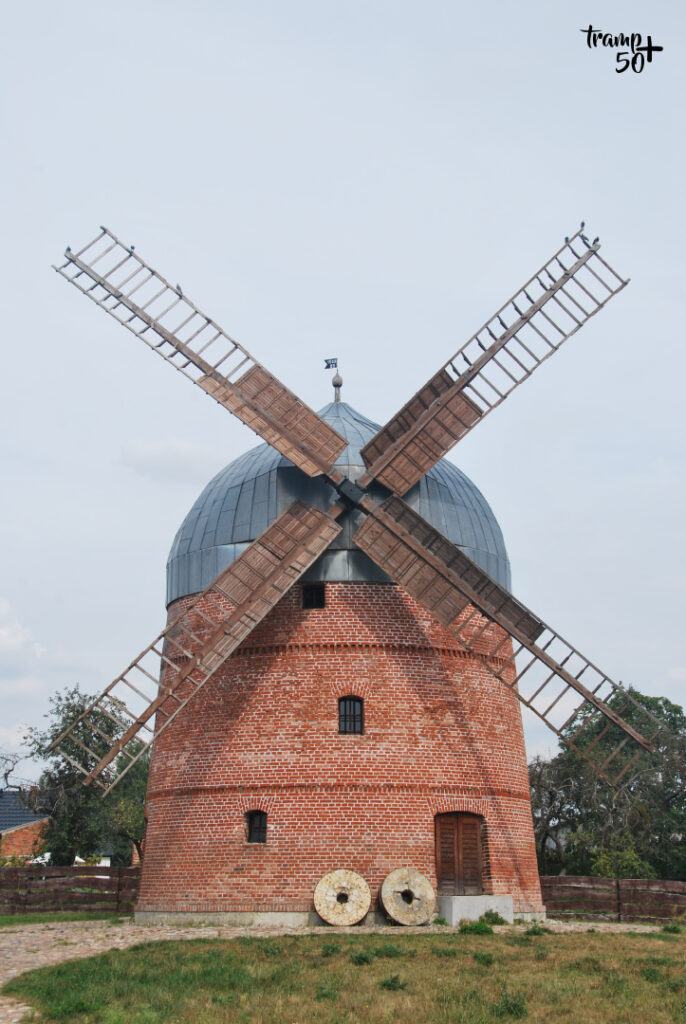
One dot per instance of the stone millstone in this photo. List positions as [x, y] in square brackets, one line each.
[408, 897]
[342, 897]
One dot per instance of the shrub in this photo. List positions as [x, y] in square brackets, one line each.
[475, 928]
[537, 929]
[511, 1004]
[329, 948]
[388, 949]
[492, 917]
[393, 984]
[361, 956]
[484, 959]
[440, 920]
[672, 928]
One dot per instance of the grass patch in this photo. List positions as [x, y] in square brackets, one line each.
[510, 1004]
[361, 956]
[393, 984]
[342, 979]
[492, 917]
[537, 929]
[475, 928]
[19, 920]
[483, 959]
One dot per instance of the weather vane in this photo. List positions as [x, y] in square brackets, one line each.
[336, 380]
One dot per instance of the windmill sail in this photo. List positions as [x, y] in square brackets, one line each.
[180, 661]
[553, 304]
[118, 280]
[484, 617]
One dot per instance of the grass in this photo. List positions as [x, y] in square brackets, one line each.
[343, 978]
[14, 920]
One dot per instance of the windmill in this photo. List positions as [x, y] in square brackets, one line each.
[579, 702]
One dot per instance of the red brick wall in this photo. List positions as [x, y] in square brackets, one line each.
[441, 734]
[21, 841]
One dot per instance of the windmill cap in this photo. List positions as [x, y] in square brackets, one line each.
[245, 497]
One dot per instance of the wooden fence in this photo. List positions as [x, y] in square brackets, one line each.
[38, 889]
[613, 899]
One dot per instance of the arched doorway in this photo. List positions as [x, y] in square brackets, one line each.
[458, 854]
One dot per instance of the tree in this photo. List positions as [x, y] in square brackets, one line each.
[638, 829]
[81, 821]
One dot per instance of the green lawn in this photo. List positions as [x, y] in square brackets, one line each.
[445, 978]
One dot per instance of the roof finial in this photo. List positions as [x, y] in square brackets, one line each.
[336, 380]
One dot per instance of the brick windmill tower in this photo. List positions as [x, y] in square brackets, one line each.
[339, 684]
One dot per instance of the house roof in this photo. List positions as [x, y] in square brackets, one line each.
[14, 812]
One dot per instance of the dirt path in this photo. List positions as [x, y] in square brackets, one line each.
[40, 945]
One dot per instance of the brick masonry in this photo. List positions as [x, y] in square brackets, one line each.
[441, 734]
[24, 840]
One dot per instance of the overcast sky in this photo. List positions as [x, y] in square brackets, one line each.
[368, 180]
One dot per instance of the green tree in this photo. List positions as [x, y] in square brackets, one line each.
[81, 822]
[636, 829]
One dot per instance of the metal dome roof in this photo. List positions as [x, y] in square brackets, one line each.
[245, 497]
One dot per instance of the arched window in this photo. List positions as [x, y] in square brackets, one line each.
[257, 826]
[351, 714]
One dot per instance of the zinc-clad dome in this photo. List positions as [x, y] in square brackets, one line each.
[245, 497]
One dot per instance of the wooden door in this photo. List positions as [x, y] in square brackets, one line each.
[458, 854]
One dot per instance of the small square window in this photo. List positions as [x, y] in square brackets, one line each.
[313, 595]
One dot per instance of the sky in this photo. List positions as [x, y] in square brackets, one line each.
[366, 180]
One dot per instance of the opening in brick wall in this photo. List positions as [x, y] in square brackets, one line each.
[351, 714]
[257, 826]
[459, 854]
[314, 595]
